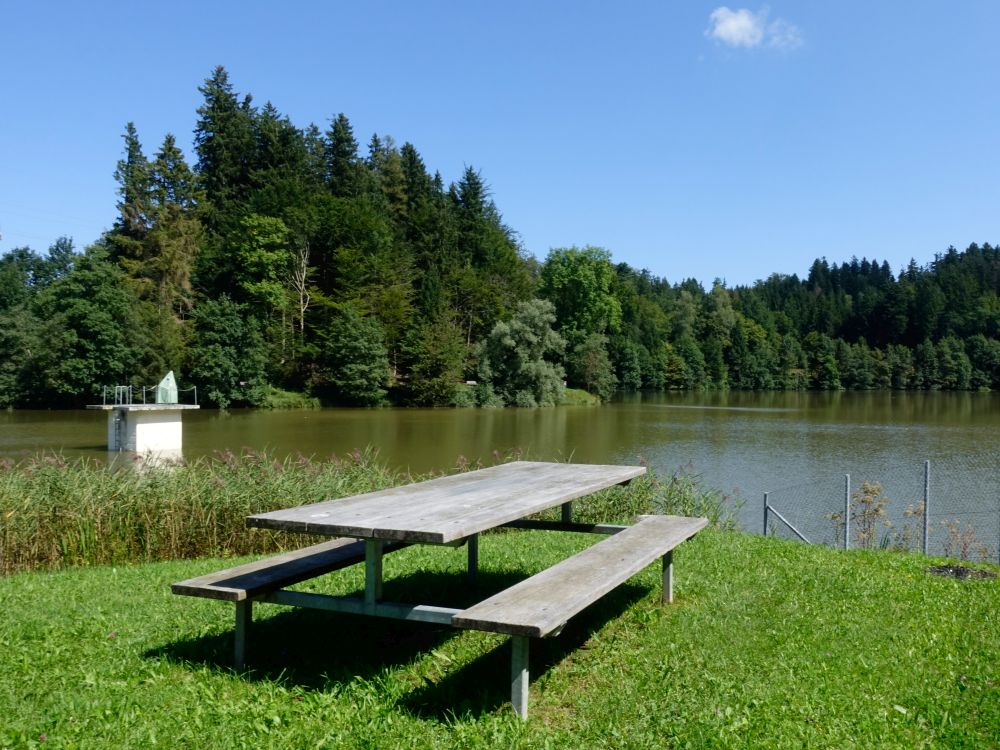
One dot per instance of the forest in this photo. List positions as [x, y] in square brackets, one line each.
[282, 265]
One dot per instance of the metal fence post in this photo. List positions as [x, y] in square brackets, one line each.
[765, 512]
[927, 501]
[847, 511]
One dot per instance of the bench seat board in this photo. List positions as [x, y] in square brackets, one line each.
[263, 576]
[540, 605]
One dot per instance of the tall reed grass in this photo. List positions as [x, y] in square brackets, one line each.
[679, 494]
[55, 513]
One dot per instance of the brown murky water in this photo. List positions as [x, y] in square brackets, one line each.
[798, 446]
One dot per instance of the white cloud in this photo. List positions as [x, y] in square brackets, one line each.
[784, 35]
[744, 28]
[737, 28]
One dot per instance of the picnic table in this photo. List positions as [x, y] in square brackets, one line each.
[454, 510]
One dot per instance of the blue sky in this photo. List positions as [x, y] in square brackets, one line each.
[692, 139]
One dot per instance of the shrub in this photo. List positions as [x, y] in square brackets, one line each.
[276, 398]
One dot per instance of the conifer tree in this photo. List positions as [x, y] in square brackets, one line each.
[132, 175]
[171, 181]
[227, 360]
[343, 165]
[224, 142]
[354, 361]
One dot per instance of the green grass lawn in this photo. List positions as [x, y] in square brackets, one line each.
[769, 644]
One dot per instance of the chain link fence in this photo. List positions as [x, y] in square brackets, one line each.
[948, 507]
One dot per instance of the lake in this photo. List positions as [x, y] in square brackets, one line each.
[797, 446]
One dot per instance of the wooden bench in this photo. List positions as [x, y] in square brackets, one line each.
[541, 605]
[244, 583]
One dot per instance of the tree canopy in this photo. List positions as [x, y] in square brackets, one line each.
[281, 256]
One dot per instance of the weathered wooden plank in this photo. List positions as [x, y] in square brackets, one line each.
[418, 511]
[249, 580]
[543, 603]
[448, 508]
[557, 488]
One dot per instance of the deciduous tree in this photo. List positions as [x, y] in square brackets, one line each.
[578, 284]
[589, 366]
[519, 361]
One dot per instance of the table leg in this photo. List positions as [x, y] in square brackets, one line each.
[473, 573]
[519, 675]
[567, 512]
[244, 618]
[373, 570]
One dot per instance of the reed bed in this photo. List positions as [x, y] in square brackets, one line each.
[679, 494]
[56, 513]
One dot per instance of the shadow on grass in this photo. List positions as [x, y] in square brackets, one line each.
[314, 650]
[483, 685]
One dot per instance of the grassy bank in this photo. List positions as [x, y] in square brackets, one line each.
[770, 644]
[55, 514]
[579, 397]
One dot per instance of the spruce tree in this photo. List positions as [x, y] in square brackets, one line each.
[171, 181]
[132, 176]
[342, 162]
[354, 362]
[227, 360]
[224, 142]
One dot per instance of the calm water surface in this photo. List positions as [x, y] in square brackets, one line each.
[798, 446]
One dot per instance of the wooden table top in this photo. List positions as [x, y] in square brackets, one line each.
[450, 508]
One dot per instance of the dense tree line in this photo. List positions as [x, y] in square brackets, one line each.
[853, 325]
[284, 258]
